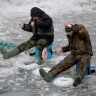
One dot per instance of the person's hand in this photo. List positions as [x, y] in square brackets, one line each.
[59, 51]
[21, 25]
[66, 23]
[32, 23]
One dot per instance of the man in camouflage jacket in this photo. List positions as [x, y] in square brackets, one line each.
[81, 52]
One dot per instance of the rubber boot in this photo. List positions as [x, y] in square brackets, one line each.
[46, 76]
[9, 54]
[40, 59]
[77, 80]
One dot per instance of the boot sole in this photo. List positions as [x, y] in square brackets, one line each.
[1, 50]
[4, 52]
[77, 81]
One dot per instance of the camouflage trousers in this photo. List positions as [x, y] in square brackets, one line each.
[31, 43]
[71, 60]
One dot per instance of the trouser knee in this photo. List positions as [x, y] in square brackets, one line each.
[41, 44]
[27, 45]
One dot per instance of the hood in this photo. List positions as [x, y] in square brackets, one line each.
[35, 11]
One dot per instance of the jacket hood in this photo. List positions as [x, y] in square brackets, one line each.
[35, 11]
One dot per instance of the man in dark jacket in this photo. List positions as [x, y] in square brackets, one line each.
[41, 25]
[81, 52]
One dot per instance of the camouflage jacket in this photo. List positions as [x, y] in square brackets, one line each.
[79, 42]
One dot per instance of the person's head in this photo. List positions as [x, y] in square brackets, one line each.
[70, 33]
[36, 13]
[75, 28]
[68, 28]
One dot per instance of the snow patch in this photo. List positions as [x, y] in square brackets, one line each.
[63, 82]
[36, 72]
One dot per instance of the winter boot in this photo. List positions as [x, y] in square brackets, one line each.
[77, 80]
[9, 54]
[40, 59]
[46, 76]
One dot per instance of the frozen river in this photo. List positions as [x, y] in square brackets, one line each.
[19, 79]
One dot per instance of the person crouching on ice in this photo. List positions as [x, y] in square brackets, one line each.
[81, 52]
[41, 25]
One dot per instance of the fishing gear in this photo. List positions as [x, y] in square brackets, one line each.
[2, 44]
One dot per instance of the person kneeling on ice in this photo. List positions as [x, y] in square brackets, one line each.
[81, 52]
[41, 25]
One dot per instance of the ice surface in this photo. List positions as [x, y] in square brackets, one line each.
[19, 76]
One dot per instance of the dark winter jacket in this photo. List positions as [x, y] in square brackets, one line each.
[43, 28]
[79, 42]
